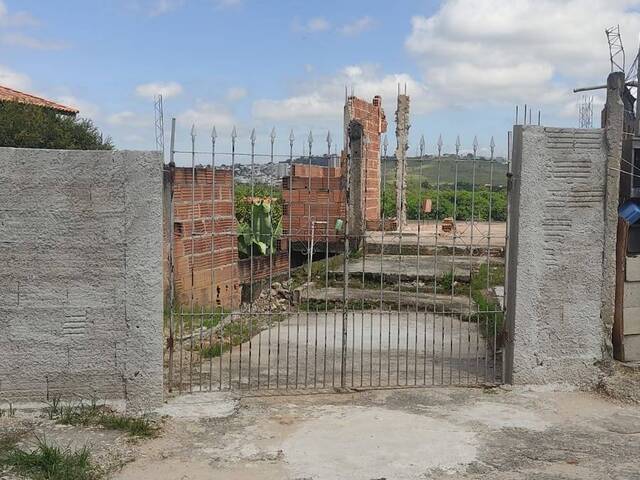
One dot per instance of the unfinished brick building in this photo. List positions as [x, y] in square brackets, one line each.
[314, 199]
[373, 121]
[315, 196]
[203, 275]
[198, 267]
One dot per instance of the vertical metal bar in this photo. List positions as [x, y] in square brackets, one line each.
[272, 246]
[326, 262]
[251, 277]
[473, 204]
[214, 303]
[415, 357]
[453, 259]
[400, 229]
[289, 232]
[383, 167]
[507, 364]
[193, 232]
[310, 227]
[234, 136]
[435, 268]
[489, 263]
[365, 160]
[200, 350]
[172, 289]
[345, 275]
[181, 344]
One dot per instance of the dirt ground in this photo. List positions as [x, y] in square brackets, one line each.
[415, 433]
[426, 433]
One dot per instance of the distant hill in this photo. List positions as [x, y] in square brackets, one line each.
[427, 170]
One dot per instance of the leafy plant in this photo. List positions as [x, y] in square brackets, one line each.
[258, 236]
[30, 126]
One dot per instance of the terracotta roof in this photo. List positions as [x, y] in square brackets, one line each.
[10, 95]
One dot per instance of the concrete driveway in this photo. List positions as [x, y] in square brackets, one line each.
[384, 349]
[436, 433]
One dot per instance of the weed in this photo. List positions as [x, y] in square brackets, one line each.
[95, 415]
[215, 350]
[53, 407]
[135, 426]
[446, 281]
[49, 462]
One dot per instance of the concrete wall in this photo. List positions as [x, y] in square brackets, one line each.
[557, 237]
[81, 275]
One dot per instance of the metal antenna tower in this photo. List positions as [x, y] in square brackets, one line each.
[585, 112]
[616, 50]
[159, 123]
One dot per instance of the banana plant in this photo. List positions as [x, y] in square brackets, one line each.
[259, 237]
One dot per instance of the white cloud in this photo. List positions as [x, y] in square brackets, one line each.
[15, 20]
[236, 93]
[358, 26]
[322, 98]
[87, 109]
[313, 25]
[12, 79]
[130, 119]
[311, 105]
[483, 51]
[167, 90]
[207, 115]
[10, 36]
[20, 40]
[161, 7]
[227, 3]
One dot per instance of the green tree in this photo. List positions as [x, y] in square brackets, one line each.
[30, 126]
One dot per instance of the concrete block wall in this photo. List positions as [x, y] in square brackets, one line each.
[193, 229]
[555, 257]
[81, 275]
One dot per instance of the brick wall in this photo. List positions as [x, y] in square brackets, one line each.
[263, 267]
[319, 193]
[196, 264]
[373, 120]
[312, 194]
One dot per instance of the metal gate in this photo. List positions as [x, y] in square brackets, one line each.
[254, 304]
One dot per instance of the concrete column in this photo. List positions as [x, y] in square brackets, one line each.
[402, 136]
[355, 206]
[614, 128]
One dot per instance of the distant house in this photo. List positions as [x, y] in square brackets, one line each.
[10, 95]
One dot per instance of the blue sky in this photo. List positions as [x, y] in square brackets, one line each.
[285, 63]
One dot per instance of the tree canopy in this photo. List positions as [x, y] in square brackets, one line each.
[31, 126]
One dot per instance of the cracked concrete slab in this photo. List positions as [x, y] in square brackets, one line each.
[417, 433]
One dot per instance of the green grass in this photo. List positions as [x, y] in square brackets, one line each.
[48, 462]
[209, 317]
[490, 316]
[100, 415]
[238, 332]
